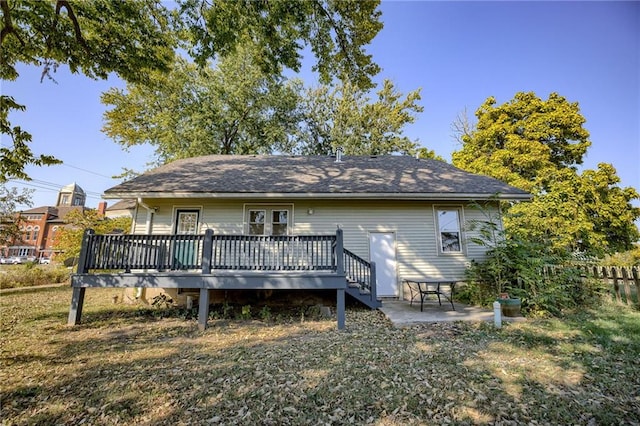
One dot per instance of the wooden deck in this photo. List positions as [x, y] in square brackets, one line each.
[221, 262]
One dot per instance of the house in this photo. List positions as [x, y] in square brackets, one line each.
[304, 222]
[122, 208]
[40, 225]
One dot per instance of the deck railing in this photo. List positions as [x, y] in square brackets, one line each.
[160, 252]
[357, 270]
[274, 253]
[189, 252]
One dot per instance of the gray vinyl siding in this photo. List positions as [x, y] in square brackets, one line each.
[412, 222]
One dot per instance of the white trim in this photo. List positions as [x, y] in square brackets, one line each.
[461, 220]
[267, 207]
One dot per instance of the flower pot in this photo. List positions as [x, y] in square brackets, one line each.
[510, 307]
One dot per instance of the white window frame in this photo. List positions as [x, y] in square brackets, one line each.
[263, 223]
[436, 213]
[268, 223]
[187, 209]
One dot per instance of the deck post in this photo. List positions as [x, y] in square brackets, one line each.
[340, 309]
[75, 311]
[340, 305]
[373, 283]
[203, 306]
[203, 309]
[207, 251]
[77, 297]
[339, 253]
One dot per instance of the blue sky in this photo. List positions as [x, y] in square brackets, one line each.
[458, 53]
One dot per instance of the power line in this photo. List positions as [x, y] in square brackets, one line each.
[52, 187]
[87, 171]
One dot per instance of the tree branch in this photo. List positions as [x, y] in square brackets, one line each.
[340, 36]
[74, 20]
[8, 23]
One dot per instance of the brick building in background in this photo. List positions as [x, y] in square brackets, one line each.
[40, 225]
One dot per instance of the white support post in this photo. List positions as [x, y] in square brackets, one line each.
[497, 314]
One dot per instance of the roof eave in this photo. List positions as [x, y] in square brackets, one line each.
[323, 195]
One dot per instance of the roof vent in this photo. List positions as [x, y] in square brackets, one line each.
[339, 155]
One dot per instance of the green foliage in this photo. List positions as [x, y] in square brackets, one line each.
[336, 31]
[136, 38]
[581, 213]
[346, 117]
[627, 258]
[265, 314]
[523, 141]
[69, 239]
[517, 266]
[245, 313]
[234, 108]
[535, 145]
[95, 38]
[9, 220]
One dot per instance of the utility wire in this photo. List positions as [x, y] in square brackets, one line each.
[46, 186]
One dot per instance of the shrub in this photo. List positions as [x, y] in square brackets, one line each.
[517, 267]
[29, 275]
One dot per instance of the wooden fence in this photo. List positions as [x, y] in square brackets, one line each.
[620, 277]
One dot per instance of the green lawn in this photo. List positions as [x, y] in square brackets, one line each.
[127, 365]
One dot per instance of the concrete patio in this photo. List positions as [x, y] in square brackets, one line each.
[402, 314]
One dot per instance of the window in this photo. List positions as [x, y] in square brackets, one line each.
[36, 231]
[256, 222]
[268, 220]
[279, 222]
[449, 230]
[187, 222]
[27, 235]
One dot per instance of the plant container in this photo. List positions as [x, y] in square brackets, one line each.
[510, 307]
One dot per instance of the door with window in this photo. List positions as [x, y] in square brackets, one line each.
[184, 247]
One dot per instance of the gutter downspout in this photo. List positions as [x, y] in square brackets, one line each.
[147, 230]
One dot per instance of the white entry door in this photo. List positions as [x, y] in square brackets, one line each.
[382, 249]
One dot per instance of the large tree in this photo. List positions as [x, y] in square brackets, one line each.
[95, 38]
[134, 37]
[345, 116]
[582, 212]
[524, 140]
[233, 108]
[536, 145]
[336, 31]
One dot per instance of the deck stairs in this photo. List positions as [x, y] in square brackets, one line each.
[361, 280]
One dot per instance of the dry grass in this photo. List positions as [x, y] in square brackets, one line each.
[126, 366]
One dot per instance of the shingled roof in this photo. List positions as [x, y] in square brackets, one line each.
[272, 176]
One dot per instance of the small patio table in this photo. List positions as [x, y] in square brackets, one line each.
[424, 288]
